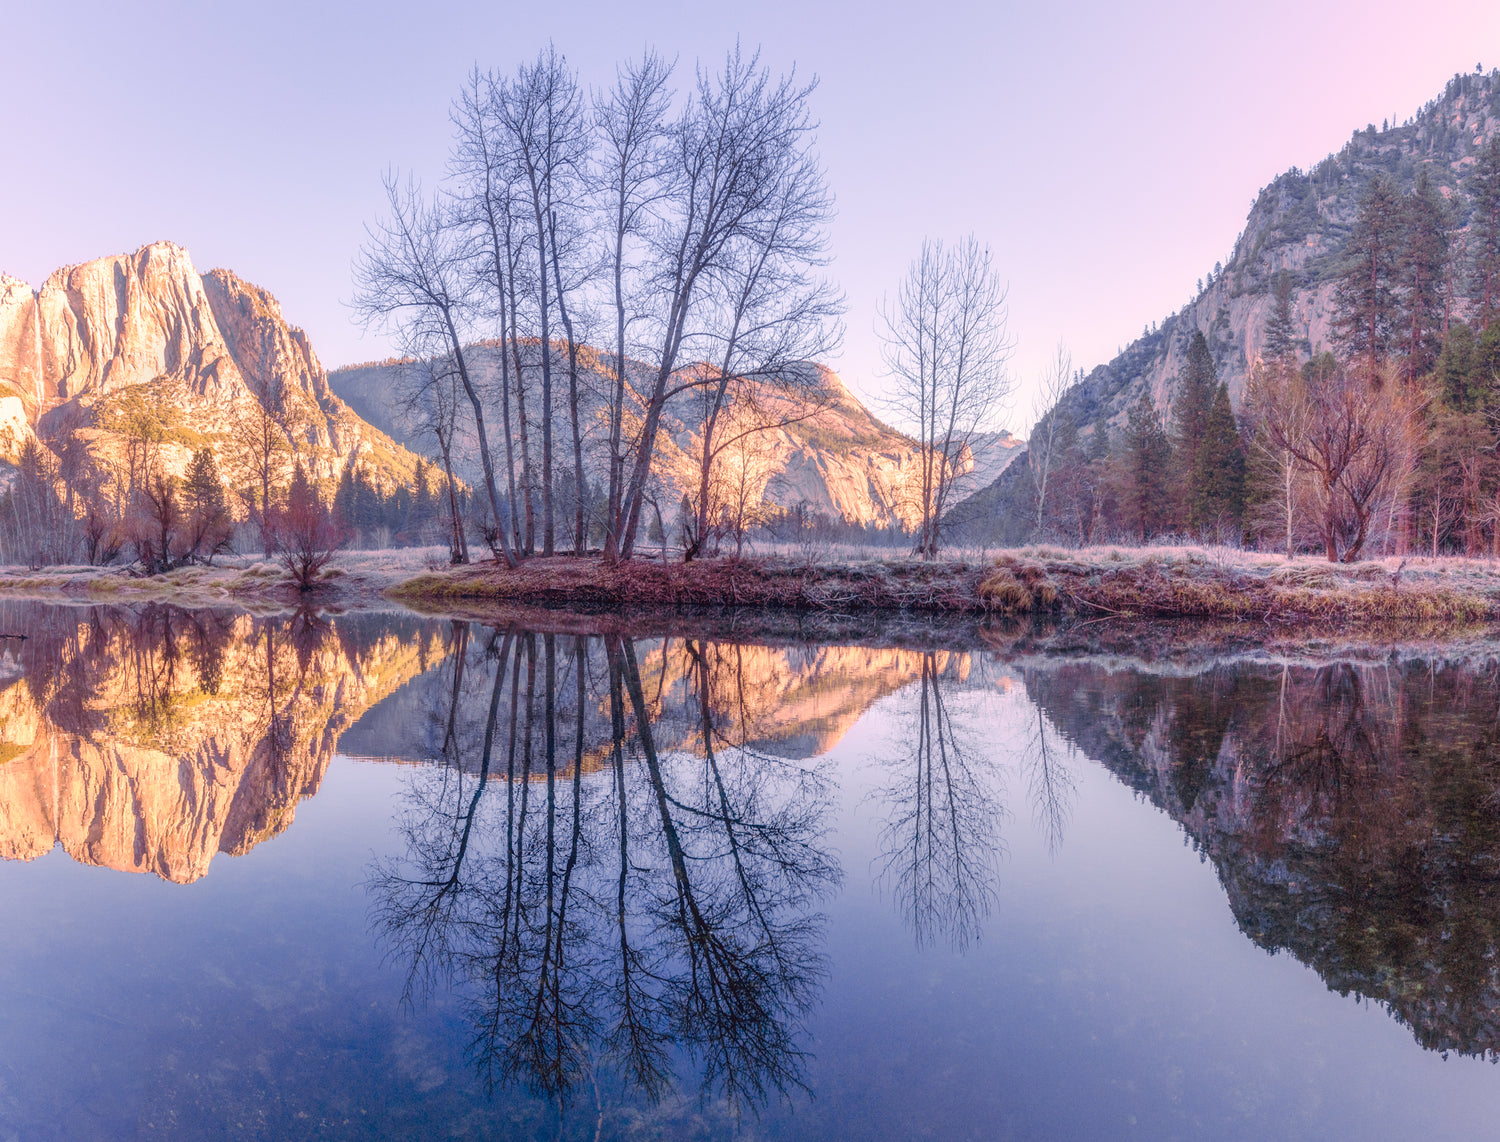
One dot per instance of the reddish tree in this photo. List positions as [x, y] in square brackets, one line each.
[306, 533]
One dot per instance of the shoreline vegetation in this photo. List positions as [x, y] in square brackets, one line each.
[1100, 583]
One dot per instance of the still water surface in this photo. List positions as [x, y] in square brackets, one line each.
[382, 877]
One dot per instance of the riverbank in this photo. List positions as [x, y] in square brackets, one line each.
[1114, 582]
[1097, 583]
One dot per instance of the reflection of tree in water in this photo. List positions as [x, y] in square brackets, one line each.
[1352, 812]
[941, 839]
[622, 916]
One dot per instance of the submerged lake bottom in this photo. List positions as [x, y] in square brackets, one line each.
[381, 876]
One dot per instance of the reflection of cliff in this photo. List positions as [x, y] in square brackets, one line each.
[795, 702]
[1352, 813]
[791, 701]
[151, 741]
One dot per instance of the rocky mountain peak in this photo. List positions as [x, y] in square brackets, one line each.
[199, 348]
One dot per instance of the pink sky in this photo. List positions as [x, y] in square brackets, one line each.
[1107, 152]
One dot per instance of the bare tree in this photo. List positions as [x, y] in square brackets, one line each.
[410, 273]
[730, 150]
[1355, 435]
[543, 114]
[769, 320]
[485, 194]
[630, 122]
[1041, 448]
[431, 392]
[946, 349]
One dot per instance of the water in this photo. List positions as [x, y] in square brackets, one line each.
[375, 877]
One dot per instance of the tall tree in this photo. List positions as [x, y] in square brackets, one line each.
[946, 349]
[1219, 478]
[1042, 447]
[1366, 311]
[1190, 413]
[1146, 458]
[737, 136]
[410, 273]
[1281, 327]
[1423, 277]
[630, 120]
[1484, 191]
[543, 112]
[769, 319]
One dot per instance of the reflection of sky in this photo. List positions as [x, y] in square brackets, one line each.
[1109, 994]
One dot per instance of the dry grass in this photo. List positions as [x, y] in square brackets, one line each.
[1209, 583]
[1199, 583]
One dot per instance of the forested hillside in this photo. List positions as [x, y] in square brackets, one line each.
[1377, 264]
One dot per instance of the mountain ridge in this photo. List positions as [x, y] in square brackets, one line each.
[1299, 222]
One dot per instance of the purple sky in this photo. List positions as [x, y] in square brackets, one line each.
[1108, 156]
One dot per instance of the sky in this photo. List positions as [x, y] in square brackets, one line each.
[1108, 153]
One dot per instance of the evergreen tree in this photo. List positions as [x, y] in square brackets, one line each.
[208, 522]
[203, 487]
[1366, 312]
[1281, 328]
[1219, 478]
[1455, 370]
[1147, 459]
[1484, 277]
[1195, 399]
[1424, 259]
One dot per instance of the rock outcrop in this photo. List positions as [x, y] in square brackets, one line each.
[200, 351]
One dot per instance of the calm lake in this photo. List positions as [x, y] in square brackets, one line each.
[377, 876]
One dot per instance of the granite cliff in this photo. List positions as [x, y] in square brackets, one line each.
[146, 330]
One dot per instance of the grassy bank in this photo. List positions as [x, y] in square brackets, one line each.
[1094, 583]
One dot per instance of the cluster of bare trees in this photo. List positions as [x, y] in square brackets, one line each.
[681, 229]
[1340, 447]
[64, 506]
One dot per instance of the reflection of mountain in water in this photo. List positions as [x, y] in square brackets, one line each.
[1352, 813]
[792, 701]
[148, 741]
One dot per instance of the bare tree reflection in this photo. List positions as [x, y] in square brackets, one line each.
[941, 843]
[623, 917]
[1052, 785]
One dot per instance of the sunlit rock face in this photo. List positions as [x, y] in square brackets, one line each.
[151, 743]
[146, 328]
[835, 457]
[1352, 813]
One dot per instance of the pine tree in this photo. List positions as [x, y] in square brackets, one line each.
[1365, 307]
[1455, 368]
[1219, 478]
[1195, 399]
[209, 525]
[1484, 278]
[203, 487]
[1281, 329]
[1146, 458]
[1424, 259]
